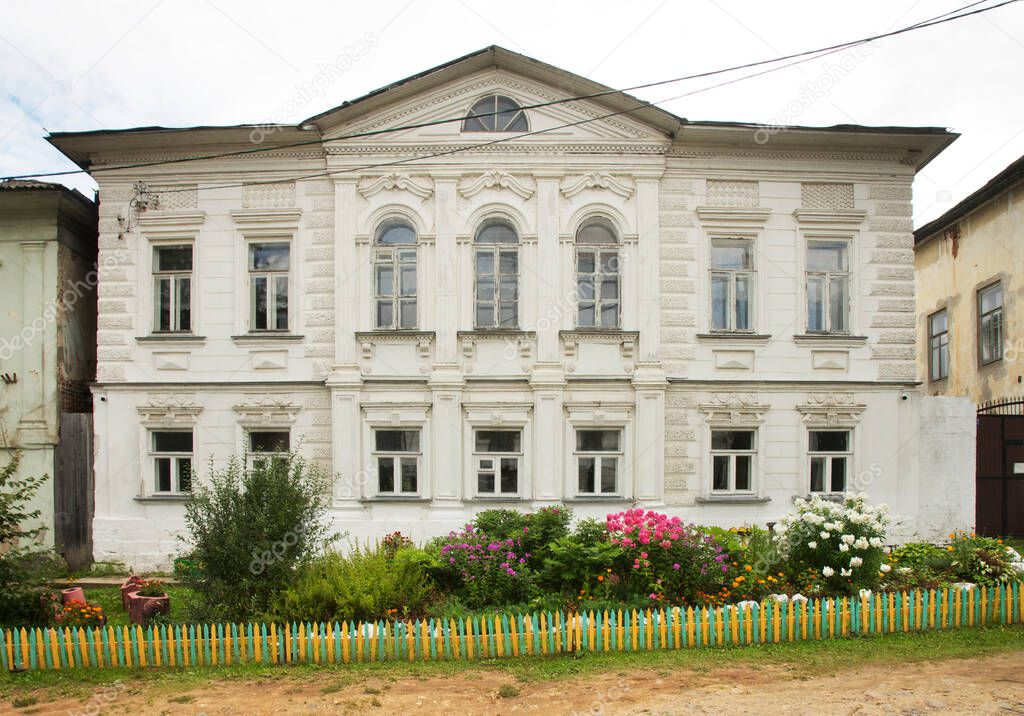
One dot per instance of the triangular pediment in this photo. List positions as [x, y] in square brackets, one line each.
[429, 107]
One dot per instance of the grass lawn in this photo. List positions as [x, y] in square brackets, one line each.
[809, 658]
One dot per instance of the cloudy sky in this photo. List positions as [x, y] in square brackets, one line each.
[68, 66]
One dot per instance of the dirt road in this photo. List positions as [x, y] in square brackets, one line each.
[989, 685]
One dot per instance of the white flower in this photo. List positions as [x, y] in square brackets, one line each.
[865, 593]
[875, 542]
[845, 572]
[848, 539]
[824, 535]
[856, 561]
[885, 569]
[812, 545]
[827, 571]
[844, 547]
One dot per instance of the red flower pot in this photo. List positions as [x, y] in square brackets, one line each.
[73, 594]
[141, 608]
[129, 585]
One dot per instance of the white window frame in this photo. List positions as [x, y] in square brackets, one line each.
[827, 276]
[508, 414]
[174, 277]
[828, 457]
[597, 277]
[608, 414]
[270, 275]
[599, 457]
[395, 262]
[495, 250]
[175, 457]
[731, 275]
[250, 456]
[396, 457]
[997, 325]
[496, 459]
[731, 454]
[938, 342]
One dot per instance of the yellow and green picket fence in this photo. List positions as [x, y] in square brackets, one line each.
[509, 635]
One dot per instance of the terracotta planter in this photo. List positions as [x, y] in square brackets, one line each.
[141, 608]
[72, 594]
[129, 585]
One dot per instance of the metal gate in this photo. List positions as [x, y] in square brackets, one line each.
[73, 489]
[1000, 468]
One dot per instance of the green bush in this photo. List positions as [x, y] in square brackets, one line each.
[482, 570]
[580, 561]
[24, 569]
[248, 532]
[981, 560]
[921, 556]
[367, 584]
[533, 531]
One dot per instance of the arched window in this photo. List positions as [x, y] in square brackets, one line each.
[597, 275]
[496, 257]
[496, 113]
[394, 275]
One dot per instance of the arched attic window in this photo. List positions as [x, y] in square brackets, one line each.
[496, 113]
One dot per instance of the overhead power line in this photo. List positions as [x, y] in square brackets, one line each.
[807, 55]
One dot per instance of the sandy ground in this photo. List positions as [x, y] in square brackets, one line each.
[990, 685]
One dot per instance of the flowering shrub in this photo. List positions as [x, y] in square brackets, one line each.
[670, 561]
[843, 541]
[533, 530]
[152, 588]
[485, 570]
[981, 560]
[80, 614]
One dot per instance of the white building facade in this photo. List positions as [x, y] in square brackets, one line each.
[455, 295]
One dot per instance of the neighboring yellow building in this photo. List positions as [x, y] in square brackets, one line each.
[969, 265]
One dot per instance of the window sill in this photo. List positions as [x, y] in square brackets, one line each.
[395, 335]
[610, 335]
[733, 500]
[266, 338]
[497, 333]
[395, 499]
[829, 339]
[582, 499]
[172, 499]
[737, 336]
[827, 496]
[495, 498]
[176, 338]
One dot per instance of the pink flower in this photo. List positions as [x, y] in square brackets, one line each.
[675, 566]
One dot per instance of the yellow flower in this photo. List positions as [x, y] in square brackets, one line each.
[949, 548]
[747, 567]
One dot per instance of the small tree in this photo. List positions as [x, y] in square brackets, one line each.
[24, 569]
[250, 530]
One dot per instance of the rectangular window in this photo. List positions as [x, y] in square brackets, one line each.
[398, 458]
[732, 284]
[598, 454]
[990, 324]
[829, 452]
[497, 287]
[938, 345]
[497, 455]
[732, 461]
[172, 286]
[597, 286]
[269, 265]
[394, 287]
[828, 287]
[172, 462]
[267, 445]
